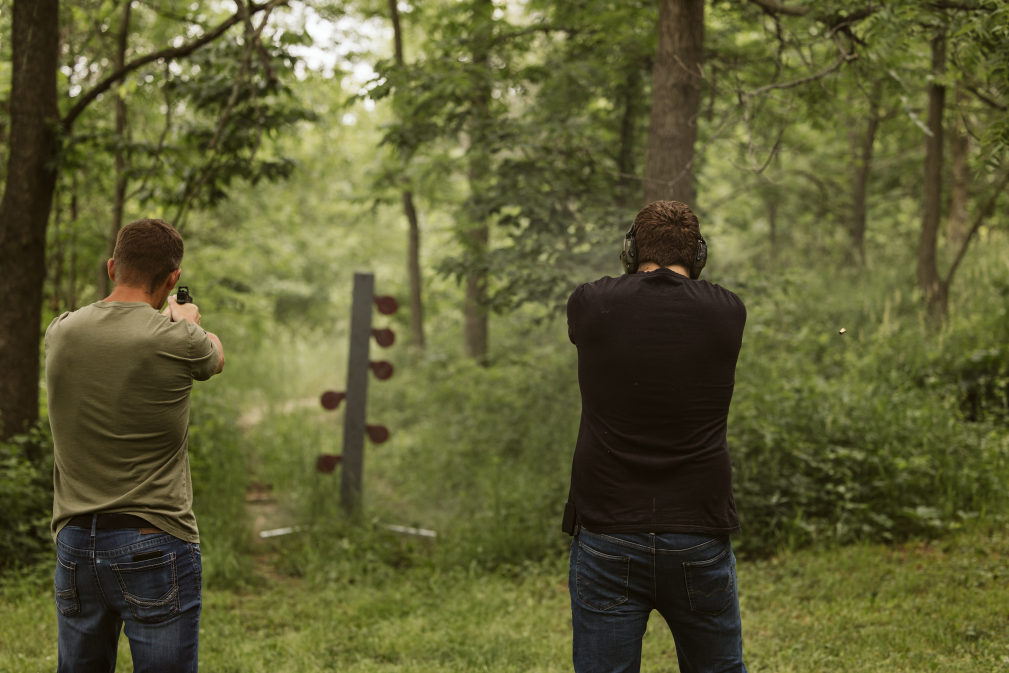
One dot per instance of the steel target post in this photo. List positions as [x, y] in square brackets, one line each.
[357, 391]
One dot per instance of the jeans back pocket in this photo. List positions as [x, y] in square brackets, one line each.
[601, 579]
[65, 581]
[150, 588]
[711, 584]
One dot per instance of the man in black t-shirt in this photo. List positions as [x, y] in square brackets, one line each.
[651, 502]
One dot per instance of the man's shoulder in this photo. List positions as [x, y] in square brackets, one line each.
[599, 287]
[722, 294]
[724, 301]
[110, 324]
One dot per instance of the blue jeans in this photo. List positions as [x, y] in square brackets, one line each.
[616, 580]
[100, 589]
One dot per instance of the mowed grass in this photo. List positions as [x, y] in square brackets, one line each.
[927, 606]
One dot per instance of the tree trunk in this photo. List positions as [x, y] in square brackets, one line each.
[630, 93]
[120, 190]
[772, 225]
[475, 313]
[931, 283]
[413, 267]
[860, 181]
[24, 210]
[413, 249]
[57, 258]
[477, 234]
[676, 95]
[71, 295]
[956, 223]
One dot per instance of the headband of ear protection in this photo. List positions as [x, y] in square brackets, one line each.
[629, 255]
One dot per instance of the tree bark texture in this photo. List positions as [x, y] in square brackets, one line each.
[957, 221]
[413, 249]
[931, 283]
[477, 235]
[860, 181]
[676, 95]
[24, 209]
[120, 189]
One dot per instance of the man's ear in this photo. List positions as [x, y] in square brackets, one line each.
[112, 270]
[173, 278]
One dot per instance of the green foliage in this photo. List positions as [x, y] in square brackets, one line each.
[881, 434]
[219, 480]
[26, 498]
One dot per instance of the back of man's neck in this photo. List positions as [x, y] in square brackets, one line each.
[652, 266]
[126, 293]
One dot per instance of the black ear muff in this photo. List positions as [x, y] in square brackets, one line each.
[700, 259]
[629, 256]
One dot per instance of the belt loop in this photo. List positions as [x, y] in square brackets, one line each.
[94, 524]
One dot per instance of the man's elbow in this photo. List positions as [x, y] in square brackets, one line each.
[220, 353]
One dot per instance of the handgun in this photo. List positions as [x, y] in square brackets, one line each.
[183, 296]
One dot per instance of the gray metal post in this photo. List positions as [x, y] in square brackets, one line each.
[357, 391]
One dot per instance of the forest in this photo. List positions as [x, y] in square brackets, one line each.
[848, 163]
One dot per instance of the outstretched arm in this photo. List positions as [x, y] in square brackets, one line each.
[191, 313]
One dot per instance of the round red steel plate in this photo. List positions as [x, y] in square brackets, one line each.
[382, 369]
[384, 337]
[327, 463]
[377, 433]
[331, 399]
[386, 304]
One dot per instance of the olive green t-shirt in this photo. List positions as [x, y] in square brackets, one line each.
[118, 376]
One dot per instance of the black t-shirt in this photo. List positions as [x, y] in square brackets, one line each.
[656, 367]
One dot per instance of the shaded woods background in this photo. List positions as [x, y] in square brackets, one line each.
[484, 158]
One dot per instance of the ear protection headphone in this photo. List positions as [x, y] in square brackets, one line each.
[629, 256]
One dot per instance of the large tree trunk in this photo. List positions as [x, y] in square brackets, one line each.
[860, 181]
[956, 223]
[477, 234]
[120, 190]
[931, 283]
[413, 249]
[676, 94]
[24, 210]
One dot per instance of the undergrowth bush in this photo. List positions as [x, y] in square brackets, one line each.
[219, 481]
[219, 477]
[26, 498]
[886, 431]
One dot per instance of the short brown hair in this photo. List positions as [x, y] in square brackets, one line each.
[666, 234]
[146, 252]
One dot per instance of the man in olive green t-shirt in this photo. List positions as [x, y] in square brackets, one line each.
[118, 377]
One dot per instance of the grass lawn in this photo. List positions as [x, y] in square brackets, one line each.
[939, 606]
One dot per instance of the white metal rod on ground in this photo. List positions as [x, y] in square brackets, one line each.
[406, 530]
[423, 532]
[279, 531]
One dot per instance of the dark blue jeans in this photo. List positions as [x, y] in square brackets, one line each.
[100, 589]
[616, 580]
